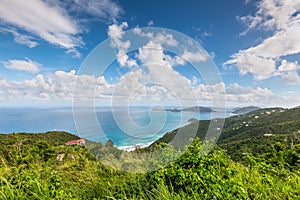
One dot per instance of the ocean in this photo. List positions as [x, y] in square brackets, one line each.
[142, 128]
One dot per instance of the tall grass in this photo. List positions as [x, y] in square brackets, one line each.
[214, 176]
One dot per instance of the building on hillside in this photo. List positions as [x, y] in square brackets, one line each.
[80, 142]
[60, 157]
[71, 156]
[268, 134]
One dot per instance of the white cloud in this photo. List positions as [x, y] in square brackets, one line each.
[273, 14]
[291, 92]
[156, 69]
[195, 81]
[49, 20]
[288, 66]
[198, 56]
[292, 78]
[206, 34]
[236, 94]
[57, 86]
[160, 37]
[258, 66]
[152, 52]
[282, 43]
[208, 92]
[116, 33]
[26, 65]
[281, 17]
[174, 61]
[20, 38]
[163, 39]
[150, 23]
[155, 78]
[132, 87]
[103, 9]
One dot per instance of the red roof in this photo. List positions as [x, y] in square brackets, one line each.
[80, 141]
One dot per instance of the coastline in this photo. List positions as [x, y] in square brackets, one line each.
[129, 148]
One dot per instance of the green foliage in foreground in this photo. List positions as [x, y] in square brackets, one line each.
[32, 172]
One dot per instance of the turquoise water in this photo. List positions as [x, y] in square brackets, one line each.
[142, 128]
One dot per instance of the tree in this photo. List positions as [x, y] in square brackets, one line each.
[43, 150]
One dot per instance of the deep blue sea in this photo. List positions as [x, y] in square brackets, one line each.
[37, 120]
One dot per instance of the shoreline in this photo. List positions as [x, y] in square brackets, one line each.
[129, 148]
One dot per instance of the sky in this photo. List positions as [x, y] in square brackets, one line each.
[255, 46]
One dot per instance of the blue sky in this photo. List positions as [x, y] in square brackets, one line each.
[254, 44]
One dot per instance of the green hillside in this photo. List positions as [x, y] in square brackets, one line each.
[244, 134]
[52, 137]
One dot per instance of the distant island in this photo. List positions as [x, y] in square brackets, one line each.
[237, 111]
[192, 109]
[245, 110]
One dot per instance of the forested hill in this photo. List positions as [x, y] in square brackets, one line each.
[10, 142]
[52, 137]
[252, 132]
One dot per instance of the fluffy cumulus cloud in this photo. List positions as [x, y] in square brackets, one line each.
[154, 77]
[260, 67]
[116, 32]
[30, 20]
[266, 59]
[235, 94]
[57, 86]
[26, 65]
[132, 87]
[198, 56]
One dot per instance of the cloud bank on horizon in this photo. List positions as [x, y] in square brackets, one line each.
[37, 33]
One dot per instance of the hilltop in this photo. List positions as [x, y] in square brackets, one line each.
[245, 110]
[52, 137]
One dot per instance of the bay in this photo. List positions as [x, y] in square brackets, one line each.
[141, 127]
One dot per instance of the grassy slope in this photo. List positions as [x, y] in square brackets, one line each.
[214, 176]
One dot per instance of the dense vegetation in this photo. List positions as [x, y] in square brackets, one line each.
[244, 134]
[265, 168]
